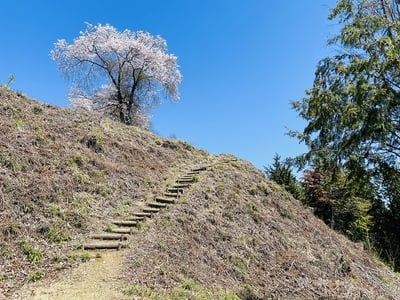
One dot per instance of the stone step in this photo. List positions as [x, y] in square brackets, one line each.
[124, 223]
[108, 236]
[157, 204]
[151, 210]
[175, 190]
[122, 230]
[165, 200]
[103, 245]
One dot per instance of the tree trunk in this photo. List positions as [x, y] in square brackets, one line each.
[120, 100]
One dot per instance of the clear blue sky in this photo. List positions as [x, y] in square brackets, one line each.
[242, 62]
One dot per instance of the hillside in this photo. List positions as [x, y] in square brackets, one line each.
[232, 235]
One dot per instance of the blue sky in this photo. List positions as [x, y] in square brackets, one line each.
[242, 62]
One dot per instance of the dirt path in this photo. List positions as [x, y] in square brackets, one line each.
[96, 279]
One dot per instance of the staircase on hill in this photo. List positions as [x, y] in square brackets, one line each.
[117, 237]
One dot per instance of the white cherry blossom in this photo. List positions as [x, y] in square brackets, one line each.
[122, 74]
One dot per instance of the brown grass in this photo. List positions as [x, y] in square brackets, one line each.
[65, 173]
[245, 234]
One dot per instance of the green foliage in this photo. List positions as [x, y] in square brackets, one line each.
[361, 225]
[352, 109]
[39, 135]
[337, 199]
[55, 211]
[109, 228]
[35, 275]
[281, 173]
[353, 123]
[58, 232]
[81, 203]
[85, 256]
[34, 255]
[57, 257]
[19, 122]
[386, 217]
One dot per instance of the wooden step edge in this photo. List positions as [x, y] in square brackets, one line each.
[151, 210]
[172, 195]
[192, 173]
[122, 230]
[187, 177]
[135, 218]
[184, 180]
[142, 214]
[175, 190]
[103, 245]
[181, 185]
[157, 204]
[165, 200]
[203, 168]
[108, 236]
[124, 223]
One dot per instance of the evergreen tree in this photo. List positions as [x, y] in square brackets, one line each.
[353, 117]
[281, 173]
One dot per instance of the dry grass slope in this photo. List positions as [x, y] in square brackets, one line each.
[238, 232]
[64, 173]
[232, 235]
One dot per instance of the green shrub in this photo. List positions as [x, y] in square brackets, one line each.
[34, 255]
[57, 233]
[35, 275]
[19, 122]
[85, 256]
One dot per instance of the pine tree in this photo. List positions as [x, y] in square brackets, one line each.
[281, 173]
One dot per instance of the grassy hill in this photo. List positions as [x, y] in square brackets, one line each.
[232, 235]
